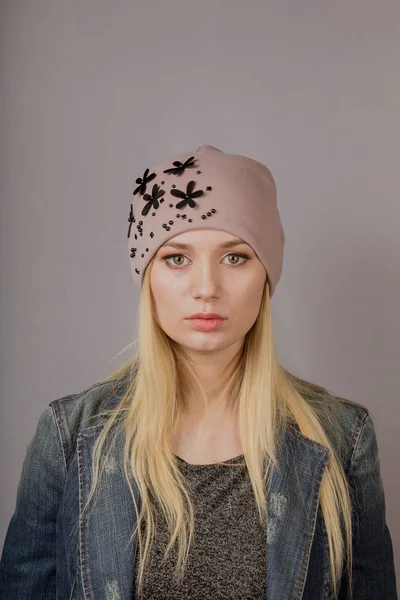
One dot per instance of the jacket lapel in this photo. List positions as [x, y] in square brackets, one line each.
[107, 559]
[292, 508]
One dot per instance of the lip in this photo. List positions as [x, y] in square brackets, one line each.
[207, 324]
[206, 316]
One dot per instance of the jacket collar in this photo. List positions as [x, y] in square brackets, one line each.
[293, 499]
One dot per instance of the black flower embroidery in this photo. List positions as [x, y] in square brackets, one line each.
[188, 197]
[179, 167]
[153, 199]
[143, 182]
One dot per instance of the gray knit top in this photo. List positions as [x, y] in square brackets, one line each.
[227, 557]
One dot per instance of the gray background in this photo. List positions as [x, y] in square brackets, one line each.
[93, 92]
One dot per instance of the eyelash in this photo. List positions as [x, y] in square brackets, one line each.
[165, 258]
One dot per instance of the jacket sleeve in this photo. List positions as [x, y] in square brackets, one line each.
[373, 565]
[28, 561]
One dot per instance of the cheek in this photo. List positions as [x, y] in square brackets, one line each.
[247, 305]
[165, 287]
[249, 294]
[166, 302]
[163, 296]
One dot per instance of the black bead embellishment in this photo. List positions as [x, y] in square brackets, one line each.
[142, 255]
[203, 216]
[198, 172]
[170, 205]
[135, 236]
[208, 214]
[151, 234]
[144, 181]
[190, 220]
[168, 228]
[138, 272]
[147, 249]
[213, 210]
[162, 183]
[184, 216]
[133, 252]
[178, 216]
[209, 188]
[170, 222]
[173, 185]
[153, 214]
[164, 225]
[179, 167]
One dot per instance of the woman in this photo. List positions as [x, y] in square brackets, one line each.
[202, 468]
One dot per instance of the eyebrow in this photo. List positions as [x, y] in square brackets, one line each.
[180, 246]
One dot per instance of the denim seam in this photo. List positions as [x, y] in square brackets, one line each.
[327, 581]
[308, 441]
[61, 425]
[301, 580]
[90, 431]
[357, 434]
[77, 571]
[82, 488]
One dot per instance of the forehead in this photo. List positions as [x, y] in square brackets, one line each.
[200, 237]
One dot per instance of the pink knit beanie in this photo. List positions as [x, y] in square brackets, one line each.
[206, 189]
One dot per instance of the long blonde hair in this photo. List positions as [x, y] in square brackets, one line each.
[265, 394]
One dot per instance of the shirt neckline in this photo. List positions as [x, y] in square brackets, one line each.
[207, 465]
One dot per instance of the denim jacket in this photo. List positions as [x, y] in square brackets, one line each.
[53, 552]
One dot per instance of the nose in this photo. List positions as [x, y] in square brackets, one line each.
[206, 281]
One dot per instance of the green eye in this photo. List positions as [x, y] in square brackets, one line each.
[176, 256]
[175, 266]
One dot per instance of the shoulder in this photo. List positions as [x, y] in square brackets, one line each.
[349, 415]
[343, 421]
[75, 412]
[81, 408]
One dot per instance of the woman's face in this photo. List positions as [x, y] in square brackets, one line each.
[206, 275]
